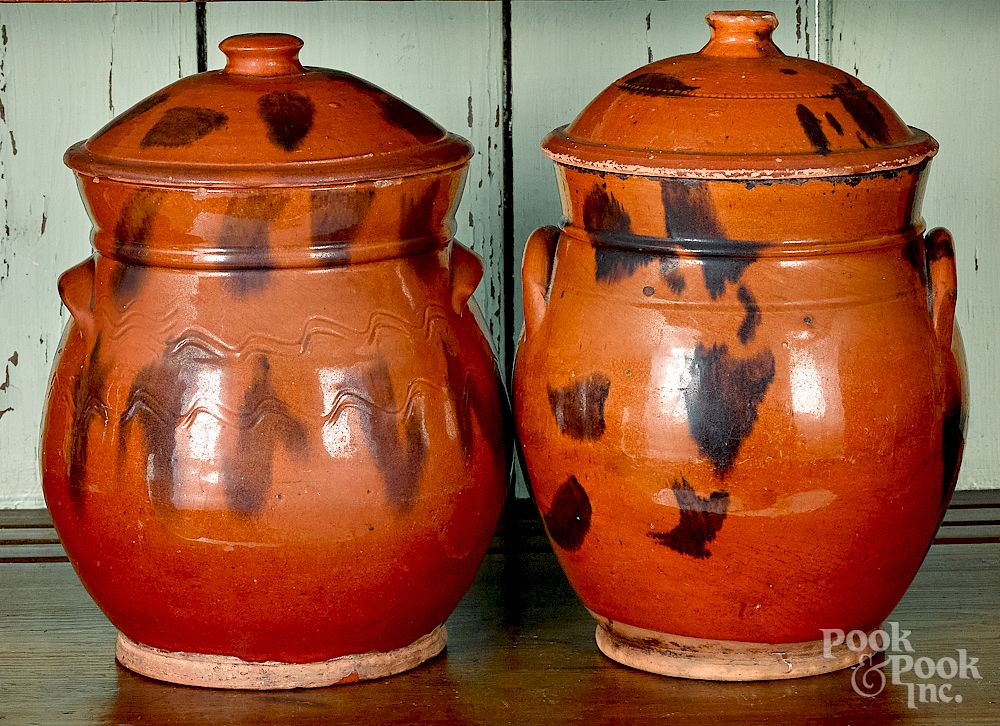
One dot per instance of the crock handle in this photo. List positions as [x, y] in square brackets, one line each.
[943, 281]
[76, 288]
[466, 272]
[536, 275]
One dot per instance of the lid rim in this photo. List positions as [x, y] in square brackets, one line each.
[448, 152]
[572, 152]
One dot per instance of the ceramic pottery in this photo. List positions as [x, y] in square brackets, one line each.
[273, 446]
[740, 389]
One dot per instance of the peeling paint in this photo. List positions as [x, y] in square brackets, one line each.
[111, 63]
[5, 411]
[649, 46]
[469, 119]
[6, 372]
[808, 35]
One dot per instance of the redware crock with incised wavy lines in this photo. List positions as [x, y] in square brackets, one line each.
[273, 446]
[740, 389]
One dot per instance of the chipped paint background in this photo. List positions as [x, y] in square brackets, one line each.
[65, 70]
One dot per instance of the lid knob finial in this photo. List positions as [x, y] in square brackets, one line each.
[262, 54]
[741, 34]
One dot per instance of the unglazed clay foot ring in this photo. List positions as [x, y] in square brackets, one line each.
[719, 660]
[224, 671]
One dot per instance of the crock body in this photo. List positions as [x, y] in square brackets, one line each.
[742, 417]
[273, 428]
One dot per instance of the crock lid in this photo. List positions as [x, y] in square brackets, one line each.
[738, 109]
[265, 120]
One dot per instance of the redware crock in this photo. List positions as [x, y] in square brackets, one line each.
[740, 388]
[273, 443]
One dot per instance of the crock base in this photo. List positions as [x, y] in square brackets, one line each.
[223, 671]
[719, 660]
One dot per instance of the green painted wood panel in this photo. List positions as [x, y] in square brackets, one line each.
[445, 58]
[64, 72]
[936, 63]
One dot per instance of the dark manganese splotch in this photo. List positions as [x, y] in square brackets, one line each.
[813, 129]
[834, 123]
[952, 445]
[915, 256]
[866, 115]
[603, 213]
[166, 391]
[399, 448]
[418, 212]
[157, 399]
[288, 116]
[655, 84]
[579, 407]
[132, 232]
[939, 248]
[336, 215]
[420, 219]
[403, 116]
[568, 519]
[468, 404]
[245, 235]
[671, 275]
[692, 223]
[144, 106]
[722, 400]
[614, 265]
[751, 316]
[264, 422]
[183, 125]
[701, 519]
[89, 392]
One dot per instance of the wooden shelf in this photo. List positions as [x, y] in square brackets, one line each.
[521, 650]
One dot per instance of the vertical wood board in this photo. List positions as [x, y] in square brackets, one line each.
[65, 71]
[936, 63]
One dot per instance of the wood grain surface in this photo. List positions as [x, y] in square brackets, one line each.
[521, 651]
